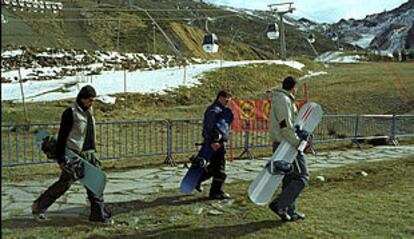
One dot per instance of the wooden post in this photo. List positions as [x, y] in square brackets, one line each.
[125, 82]
[22, 93]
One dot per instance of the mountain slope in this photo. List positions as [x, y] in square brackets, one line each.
[110, 25]
[387, 31]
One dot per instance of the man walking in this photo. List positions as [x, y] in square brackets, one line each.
[215, 137]
[282, 116]
[77, 133]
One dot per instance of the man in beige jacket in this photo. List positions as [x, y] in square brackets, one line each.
[282, 116]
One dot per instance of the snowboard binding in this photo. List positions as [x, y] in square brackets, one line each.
[280, 167]
[75, 167]
[49, 146]
[197, 161]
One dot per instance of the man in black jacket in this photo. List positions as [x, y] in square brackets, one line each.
[77, 133]
[215, 137]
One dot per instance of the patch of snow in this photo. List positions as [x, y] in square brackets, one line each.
[110, 82]
[107, 99]
[313, 74]
[337, 57]
[56, 55]
[364, 41]
[13, 53]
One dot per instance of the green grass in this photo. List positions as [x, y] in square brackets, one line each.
[347, 205]
[369, 88]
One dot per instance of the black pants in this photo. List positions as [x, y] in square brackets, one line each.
[216, 169]
[56, 190]
[292, 184]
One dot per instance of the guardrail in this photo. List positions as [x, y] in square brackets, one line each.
[137, 139]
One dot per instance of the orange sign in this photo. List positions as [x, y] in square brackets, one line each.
[253, 115]
[250, 114]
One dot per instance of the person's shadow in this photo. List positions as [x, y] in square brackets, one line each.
[79, 215]
[180, 232]
[175, 200]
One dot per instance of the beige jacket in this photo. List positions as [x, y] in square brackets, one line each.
[282, 116]
[77, 135]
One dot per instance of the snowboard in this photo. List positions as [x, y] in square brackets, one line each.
[196, 170]
[261, 190]
[90, 176]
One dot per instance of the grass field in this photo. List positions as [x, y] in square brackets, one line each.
[347, 205]
[369, 88]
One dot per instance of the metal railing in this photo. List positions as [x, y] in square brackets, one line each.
[137, 139]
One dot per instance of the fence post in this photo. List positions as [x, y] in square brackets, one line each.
[169, 159]
[355, 139]
[393, 139]
[246, 146]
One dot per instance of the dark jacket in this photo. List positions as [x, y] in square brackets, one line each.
[216, 123]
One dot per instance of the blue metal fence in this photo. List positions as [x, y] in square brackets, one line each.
[136, 139]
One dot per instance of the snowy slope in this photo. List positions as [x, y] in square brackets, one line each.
[386, 31]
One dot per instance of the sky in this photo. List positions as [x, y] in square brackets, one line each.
[328, 11]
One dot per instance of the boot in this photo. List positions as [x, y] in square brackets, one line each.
[296, 216]
[216, 191]
[280, 212]
[199, 188]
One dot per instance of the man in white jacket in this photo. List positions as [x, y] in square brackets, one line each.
[282, 116]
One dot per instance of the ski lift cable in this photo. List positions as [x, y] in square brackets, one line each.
[149, 10]
[116, 19]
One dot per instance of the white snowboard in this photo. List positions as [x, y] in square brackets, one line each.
[264, 186]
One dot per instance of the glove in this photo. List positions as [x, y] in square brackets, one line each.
[215, 135]
[302, 134]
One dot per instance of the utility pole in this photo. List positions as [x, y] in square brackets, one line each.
[153, 36]
[313, 48]
[117, 36]
[280, 9]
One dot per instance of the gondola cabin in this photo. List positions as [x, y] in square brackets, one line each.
[334, 37]
[272, 31]
[311, 38]
[210, 43]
